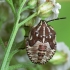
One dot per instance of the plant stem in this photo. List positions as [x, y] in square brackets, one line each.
[10, 57]
[20, 8]
[12, 6]
[12, 37]
[27, 7]
[22, 23]
[15, 29]
[11, 40]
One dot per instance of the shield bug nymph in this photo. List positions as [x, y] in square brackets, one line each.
[41, 43]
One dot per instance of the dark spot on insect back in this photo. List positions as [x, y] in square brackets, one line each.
[40, 55]
[42, 48]
[52, 45]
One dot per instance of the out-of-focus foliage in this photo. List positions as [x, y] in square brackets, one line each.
[4, 13]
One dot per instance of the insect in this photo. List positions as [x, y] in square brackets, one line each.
[41, 43]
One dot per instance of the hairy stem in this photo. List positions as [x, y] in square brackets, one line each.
[10, 57]
[12, 6]
[11, 40]
[13, 34]
[27, 7]
[22, 23]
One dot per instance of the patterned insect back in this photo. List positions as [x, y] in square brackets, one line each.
[41, 44]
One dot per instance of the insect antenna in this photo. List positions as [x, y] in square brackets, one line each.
[56, 19]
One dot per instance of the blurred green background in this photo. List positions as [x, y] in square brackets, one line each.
[62, 27]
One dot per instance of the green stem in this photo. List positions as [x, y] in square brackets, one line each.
[12, 37]
[10, 57]
[19, 11]
[22, 23]
[11, 5]
[27, 7]
[20, 8]
[11, 40]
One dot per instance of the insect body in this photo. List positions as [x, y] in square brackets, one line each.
[41, 44]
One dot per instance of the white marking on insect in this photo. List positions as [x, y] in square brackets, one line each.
[48, 29]
[38, 28]
[31, 38]
[50, 54]
[30, 55]
[37, 35]
[43, 31]
[51, 28]
[48, 45]
[37, 44]
[49, 36]
[43, 40]
[45, 23]
[53, 51]
[28, 46]
[47, 58]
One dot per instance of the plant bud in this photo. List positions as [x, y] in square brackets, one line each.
[45, 9]
[32, 4]
[59, 58]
